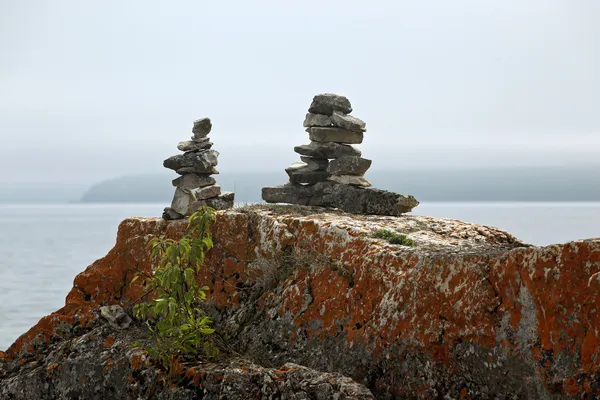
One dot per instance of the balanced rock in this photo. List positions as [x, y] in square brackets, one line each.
[193, 181]
[201, 162]
[181, 201]
[204, 193]
[327, 103]
[327, 150]
[348, 122]
[301, 173]
[350, 180]
[195, 145]
[201, 128]
[222, 202]
[170, 214]
[349, 165]
[333, 134]
[352, 199]
[317, 120]
[315, 164]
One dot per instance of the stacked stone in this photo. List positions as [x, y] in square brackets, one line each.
[196, 187]
[331, 173]
[332, 132]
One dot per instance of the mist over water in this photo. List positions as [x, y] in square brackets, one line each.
[43, 247]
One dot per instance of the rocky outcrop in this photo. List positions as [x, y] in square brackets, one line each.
[466, 312]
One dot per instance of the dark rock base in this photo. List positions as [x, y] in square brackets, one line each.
[348, 198]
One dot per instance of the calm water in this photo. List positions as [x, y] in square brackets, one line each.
[43, 247]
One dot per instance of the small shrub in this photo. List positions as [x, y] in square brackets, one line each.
[393, 237]
[177, 324]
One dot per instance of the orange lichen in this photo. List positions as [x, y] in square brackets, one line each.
[525, 301]
[109, 341]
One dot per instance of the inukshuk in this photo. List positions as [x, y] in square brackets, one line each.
[331, 173]
[196, 187]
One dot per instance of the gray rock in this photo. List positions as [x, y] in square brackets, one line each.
[300, 173]
[222, 202]
[305, 195]
[315, 164]
[201, 127]
[350, 165]
[195, 145]
[327, 103]
[352, 199]
[193, 181]
[198, 162]
[327, 150]
[116, 316]
[317, 120]
[336, 135]
[350, 180]
[169, 214]
[206, 192]
[181, 201]
[102, 365]
[348, 122]
[192, 170]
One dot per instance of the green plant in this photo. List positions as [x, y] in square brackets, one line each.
[176, 322]
[393, 237]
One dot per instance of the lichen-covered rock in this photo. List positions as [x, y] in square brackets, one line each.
[202, 128]
[195, 162]
[467, 312]
[316, 120]
[101, 364]
[327, 103]
[224, 201]
[352, 199]
[349, 166]
[302, 173]
[327, 150]
[334, 134]
[348, 122]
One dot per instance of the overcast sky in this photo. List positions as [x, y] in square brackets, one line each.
[95, 89]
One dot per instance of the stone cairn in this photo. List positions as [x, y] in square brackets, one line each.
[196, 187]
[331, 173]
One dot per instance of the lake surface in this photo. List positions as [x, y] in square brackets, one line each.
[43, 247]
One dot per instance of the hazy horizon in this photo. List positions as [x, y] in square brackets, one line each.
[90, 91]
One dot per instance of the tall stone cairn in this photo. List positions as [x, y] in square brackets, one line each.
[196, 187]
[331, 173]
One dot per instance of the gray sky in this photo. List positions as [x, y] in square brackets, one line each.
[91, 90]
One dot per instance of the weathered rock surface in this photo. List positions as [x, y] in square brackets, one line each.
[206, 192]
[316, 120]
[193, 181]
[100, 364]
[169, 214]
[467, 312]
[200, 162]
[223, 201]
[195, 145]
[350, 165]
[327, 103]
[116, 316]
[352, 199]
[334, 134]
[315, 164]
[202, 128]
[327, 150]
[181, 201]
[302, 173]
[350, 180]
[348, 122]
